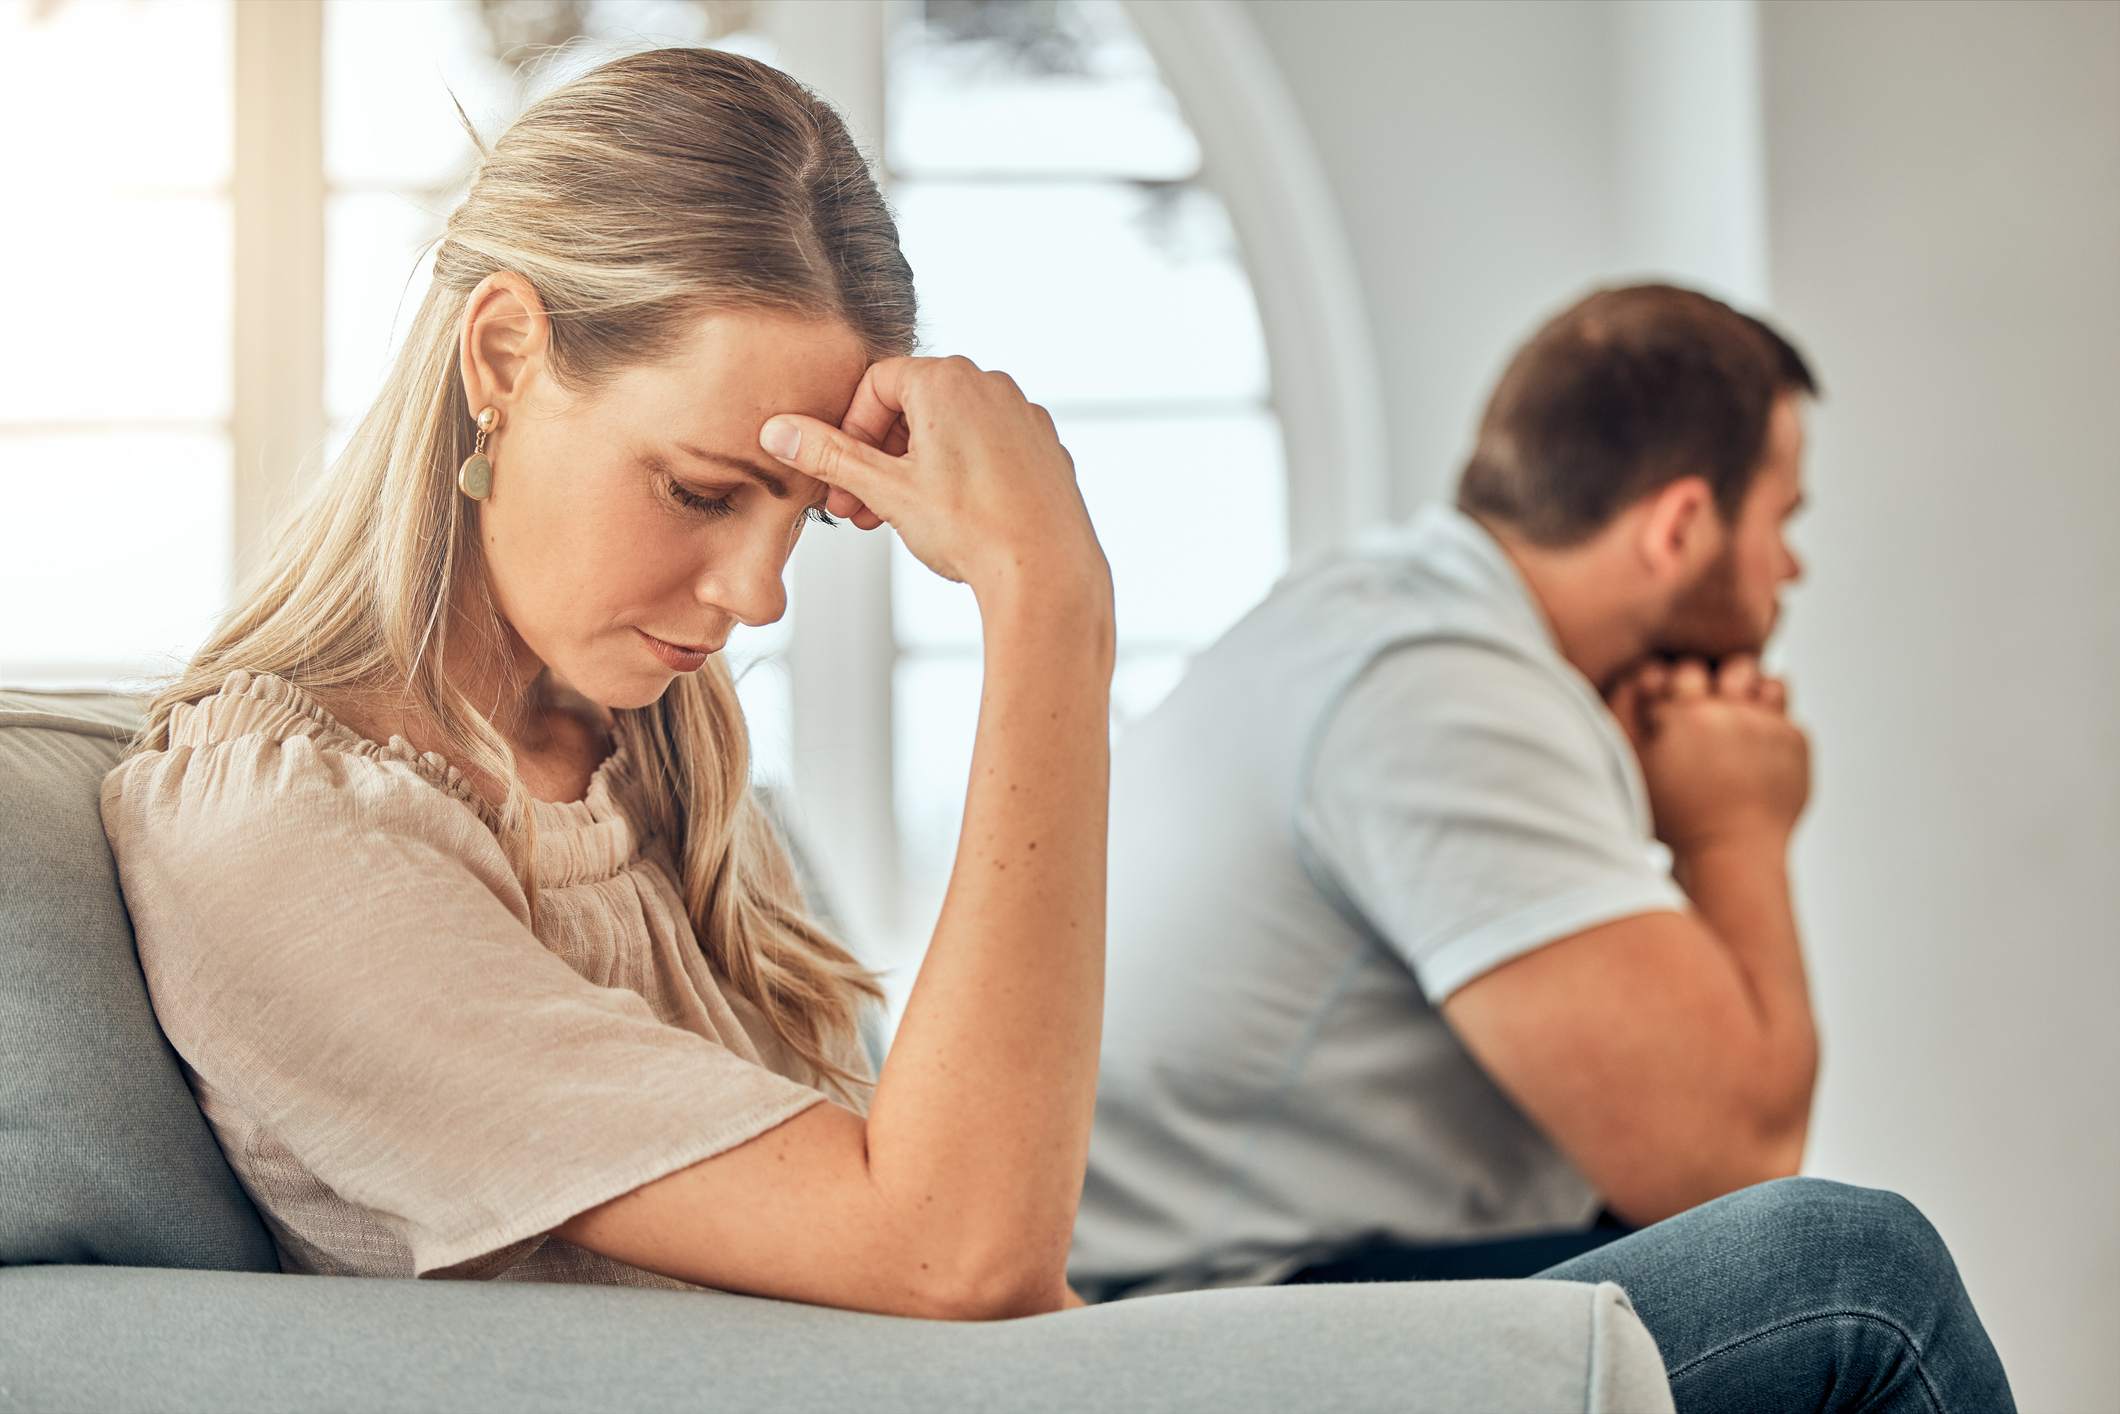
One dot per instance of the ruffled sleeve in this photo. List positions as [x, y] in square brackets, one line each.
[336, 945]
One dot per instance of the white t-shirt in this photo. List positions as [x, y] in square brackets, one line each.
[1382, 783]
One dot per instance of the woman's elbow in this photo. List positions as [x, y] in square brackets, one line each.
[996, 1287]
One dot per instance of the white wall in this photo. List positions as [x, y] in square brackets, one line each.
[1259, 159]
[1469, 147]
[1492, 161]
[1937, 218]
[1945, 209]
[1688, 155]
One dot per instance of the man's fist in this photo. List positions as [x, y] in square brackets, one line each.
[1719, 754]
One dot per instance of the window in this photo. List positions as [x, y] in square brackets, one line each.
[1049, 199]
[115, 385]
[396, 159]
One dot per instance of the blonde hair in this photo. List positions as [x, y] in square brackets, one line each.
[632, 199]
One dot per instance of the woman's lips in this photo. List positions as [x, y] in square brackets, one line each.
[675, 656]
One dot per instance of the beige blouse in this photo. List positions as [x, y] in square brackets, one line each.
[410, 1073]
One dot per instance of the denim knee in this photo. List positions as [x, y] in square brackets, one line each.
[1858, 1276]
[1804, 1287]
[1874, 1241]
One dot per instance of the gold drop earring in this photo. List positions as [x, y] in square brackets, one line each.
[475, 477]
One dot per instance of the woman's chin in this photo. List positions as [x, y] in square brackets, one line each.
[624, 691]
[645, 696]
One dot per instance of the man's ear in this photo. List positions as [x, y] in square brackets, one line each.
[502, 342]
[1682, 533]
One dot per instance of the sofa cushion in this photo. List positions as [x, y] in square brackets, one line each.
[101, 1338]
[104, 1156]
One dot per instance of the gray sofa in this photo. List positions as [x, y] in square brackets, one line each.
[137, 1275]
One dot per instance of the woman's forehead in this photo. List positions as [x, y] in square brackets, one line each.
[751, 364]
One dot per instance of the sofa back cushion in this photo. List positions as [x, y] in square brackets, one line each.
[104, 1156]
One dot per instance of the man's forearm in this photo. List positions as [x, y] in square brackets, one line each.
[1741, 888]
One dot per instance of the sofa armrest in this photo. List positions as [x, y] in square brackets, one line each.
[115, 1338]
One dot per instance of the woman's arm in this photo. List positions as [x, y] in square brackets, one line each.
[956, 1196]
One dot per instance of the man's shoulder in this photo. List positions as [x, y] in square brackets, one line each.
[1440, 671]
[1438, 575]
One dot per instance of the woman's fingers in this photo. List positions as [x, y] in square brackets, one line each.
[962, 465]
[877, 411]
[847, 464]
[875, 419]
[847, 506]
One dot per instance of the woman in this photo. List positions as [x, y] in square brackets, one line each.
[445, 876]
[447, 883]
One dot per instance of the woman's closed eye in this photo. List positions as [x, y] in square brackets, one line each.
[715, 506]
[725, 503]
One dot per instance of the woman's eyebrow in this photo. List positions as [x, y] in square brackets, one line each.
[759, 474]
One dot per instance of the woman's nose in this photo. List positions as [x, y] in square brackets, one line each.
[748, 583]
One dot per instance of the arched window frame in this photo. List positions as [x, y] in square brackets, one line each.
[1258, 157]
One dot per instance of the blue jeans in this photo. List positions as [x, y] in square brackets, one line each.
[1797, 1294]
[1804, 1294]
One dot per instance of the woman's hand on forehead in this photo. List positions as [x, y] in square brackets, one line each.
[878, 424]
[969, 471]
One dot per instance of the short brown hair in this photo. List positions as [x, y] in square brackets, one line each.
[1618, 397]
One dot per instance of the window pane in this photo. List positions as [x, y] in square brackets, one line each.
[1085, 291]
[1140, 682]
[762, 686]
[1063, 88]
[755, 660]
[928, 611]
[1047, 207]
[83, 276]
[376, 273]
[113, 552]
[396, 157]
[390, 68]
[936, 718]
[396, 71]
[116, 96]
[1191, 513]
[114, 490]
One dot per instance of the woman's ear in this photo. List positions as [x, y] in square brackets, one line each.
[1683, 532]
[503, 342]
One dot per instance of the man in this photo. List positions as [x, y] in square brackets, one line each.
[1400, 985]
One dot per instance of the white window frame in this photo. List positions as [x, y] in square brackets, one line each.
[1257, 156]
[276, 425]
